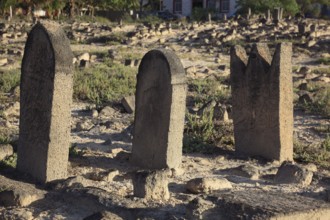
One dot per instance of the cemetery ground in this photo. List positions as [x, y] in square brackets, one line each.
[212, 182]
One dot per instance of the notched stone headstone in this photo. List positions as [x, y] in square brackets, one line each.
[262, 101]
[159, 111]
[46, 96]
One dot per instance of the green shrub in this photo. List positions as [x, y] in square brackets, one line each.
[321, 101]
[9, 162]
[151, 19]
[323, 71]
[324, 61]
[102, 83]
[9, 80]
[198, 135]
[205, 90]
[318, 154]
[4, 139]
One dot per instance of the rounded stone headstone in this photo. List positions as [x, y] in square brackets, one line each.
[46, 96]
[159, 111]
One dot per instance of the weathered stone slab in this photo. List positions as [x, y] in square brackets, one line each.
[128, 103]
[159, 111]
[14, 193]
[46, 96]
[260, 205]
[262, 101]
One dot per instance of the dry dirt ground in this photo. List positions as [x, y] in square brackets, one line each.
[100, 174]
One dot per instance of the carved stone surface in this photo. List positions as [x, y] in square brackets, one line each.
[262, 101]
[46, 96]
[160, 111]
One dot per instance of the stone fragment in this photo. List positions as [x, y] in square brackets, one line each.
[5, 151]
[84, 56]
[129, 103]
[207, 185]
[95, 113]
[85, 125]
[304, 70]
[159, 111]
[3, 61]
[247, 170]
[13, 214]
[17, 198]
[290, 173]
[305, 98]
[311, 43]
[104, 176]
[151, 184]
[14, 193]
[107, 112]
[46, 97]
[199, 208]
[262, 97]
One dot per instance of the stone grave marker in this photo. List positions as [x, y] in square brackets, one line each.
[159, 111]
[262, 101]
[46, 96]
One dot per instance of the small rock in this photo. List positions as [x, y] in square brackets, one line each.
[207, 184]
[305, 97]
[219, 159]
[107, 112]
[247, 170]
[18, 197]
[177, 171]
[220, 113]
[191, 70]
[76, 181]
[311, 43]
[151, 184]
[84, 126]
[3, 61]
[95, 113]
[97, 129]
[162, 41]
[84, 56]
[198, 209]
[304, 70]
[311, 167]
[290, 173]
[129, 103]
[5, 151]
[104, 176]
